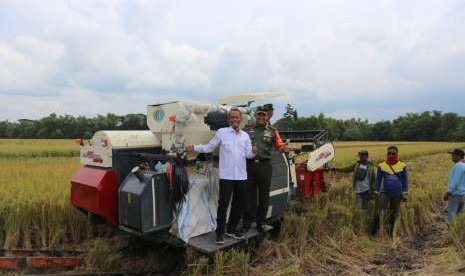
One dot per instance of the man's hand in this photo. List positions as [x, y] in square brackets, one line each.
[254, 149]
[404, 196]
[285, 149]
[446, 196]
[189, 148]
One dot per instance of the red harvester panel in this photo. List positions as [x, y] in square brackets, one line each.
[309, 183]
[46, 262]
[9, 263]
[96, 190]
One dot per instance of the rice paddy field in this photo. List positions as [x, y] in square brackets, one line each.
[326, 235]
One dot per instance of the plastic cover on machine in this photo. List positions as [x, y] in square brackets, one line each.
[189, 114]
[198, 213]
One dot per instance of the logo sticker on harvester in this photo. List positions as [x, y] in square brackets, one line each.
[159, 115]
[323, 155]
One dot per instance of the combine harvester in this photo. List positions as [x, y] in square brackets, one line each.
[143, 182]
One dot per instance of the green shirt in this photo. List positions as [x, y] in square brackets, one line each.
[263, 137]
[371, 175]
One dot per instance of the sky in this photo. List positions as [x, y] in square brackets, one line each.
[374, 60]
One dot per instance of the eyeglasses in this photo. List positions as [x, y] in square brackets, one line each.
[392, 153]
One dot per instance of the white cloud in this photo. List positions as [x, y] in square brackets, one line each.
[88, 57]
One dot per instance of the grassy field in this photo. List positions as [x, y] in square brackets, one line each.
[347, 151]
[328, 235]
[38, 148]
[325, 235]
[35, 209]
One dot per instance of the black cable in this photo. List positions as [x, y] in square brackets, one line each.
[180, 185]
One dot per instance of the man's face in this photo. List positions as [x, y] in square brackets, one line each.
[261, 118]
[456, 158]
[235, 119]
[363, 158]
[391, 153]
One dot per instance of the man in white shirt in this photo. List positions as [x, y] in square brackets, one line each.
[235, 148]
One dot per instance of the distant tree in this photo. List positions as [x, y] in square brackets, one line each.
[426, 126]
[381, 131]
[28, 128]
[290, 113]
[134, 121]
[448, 125]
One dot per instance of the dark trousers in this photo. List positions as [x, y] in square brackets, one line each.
[236, 188]
[390, 206]
[258, 183]
[362, 199]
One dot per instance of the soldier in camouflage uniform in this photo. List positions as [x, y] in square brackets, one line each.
[263, 137]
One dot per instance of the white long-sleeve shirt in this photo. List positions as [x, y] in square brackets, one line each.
[235, 148]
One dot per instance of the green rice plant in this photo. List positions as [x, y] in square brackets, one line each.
[219, 264]
[12, 229]
[100, 256]
[239, 263]
[34, 200]
[198, 266]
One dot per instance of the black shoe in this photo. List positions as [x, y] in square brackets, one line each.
[259, 227]
[237, 234]
[219, 239]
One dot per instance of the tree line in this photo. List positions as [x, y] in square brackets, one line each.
[67, 126]
[425, 126]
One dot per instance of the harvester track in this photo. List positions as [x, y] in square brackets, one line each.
[20, 259]
[54, 262]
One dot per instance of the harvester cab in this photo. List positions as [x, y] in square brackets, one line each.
[145, 184]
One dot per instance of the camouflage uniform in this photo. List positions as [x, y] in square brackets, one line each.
[264, 137]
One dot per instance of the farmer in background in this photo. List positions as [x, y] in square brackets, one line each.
[259, 169]
[235, 146]
[455, 194]
[363, 178]
[391, 189]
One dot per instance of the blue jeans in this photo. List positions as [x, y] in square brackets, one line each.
[454, 207]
